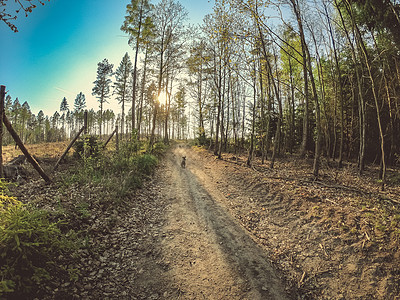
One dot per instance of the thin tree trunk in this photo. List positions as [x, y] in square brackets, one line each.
[305, 137]
[134, 75]
[140, 113]
[160, 75]
[367, 63]
[277, 140]
[253, 121]
[362, 103]
[217, 127]
[341, 94]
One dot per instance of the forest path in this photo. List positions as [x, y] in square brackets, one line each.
[208, 254]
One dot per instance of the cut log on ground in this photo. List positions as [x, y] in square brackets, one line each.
[30, 158]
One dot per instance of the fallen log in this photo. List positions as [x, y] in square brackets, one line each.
[69, 147]
[109, 139]
[31, 159]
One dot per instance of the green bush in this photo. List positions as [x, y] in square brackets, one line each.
[201, 139]
[145, 164]
[87, 146]
[29, 242]
[117, 173]
[159, 149]
[130, 148]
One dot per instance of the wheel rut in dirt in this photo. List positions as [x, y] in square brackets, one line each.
[208, 252]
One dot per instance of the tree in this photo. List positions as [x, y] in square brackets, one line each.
[10, 14]
[8, 103]
[367, 61]
[179, 109]
[142, 90]
[79, 105]
[121, 85]
[168, 19]
[137, 22]
[80, 102]
[25, 114]
[102, 85]
[15, 110]
[64, 108]
[40, 129]
[196, 64]
[217, 28]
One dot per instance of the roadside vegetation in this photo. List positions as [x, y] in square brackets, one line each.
[45, 229]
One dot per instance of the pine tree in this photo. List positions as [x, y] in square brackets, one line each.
[64, 108]
[39, 129]
[102, 85]
[25, 113]
[8, 104]
[121, 86]
[15, 110]
[137, 23]
[79, 104]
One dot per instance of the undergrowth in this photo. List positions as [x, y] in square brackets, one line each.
[30, 239]
[34, 242]
[117, 172]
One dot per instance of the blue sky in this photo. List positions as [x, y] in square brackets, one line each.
[56, 51]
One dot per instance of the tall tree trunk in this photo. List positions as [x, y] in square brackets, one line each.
[262, 115]
[218, 125]
[134, 75]
[160, 77]
[222, 129]
[101, 112]
[305, 137]
[361, 44]
[167, 109]
[253, 121]
[140, 111]
[341, 93]
[228, 97]
[202, 134]
[292, 105]
[277, 140]
[362, 103]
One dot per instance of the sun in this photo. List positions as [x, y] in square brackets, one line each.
[163, 97]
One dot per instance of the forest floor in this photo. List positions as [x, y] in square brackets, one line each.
[221, 230]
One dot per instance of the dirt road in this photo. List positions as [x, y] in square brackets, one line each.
[211, 230]
[207, 252]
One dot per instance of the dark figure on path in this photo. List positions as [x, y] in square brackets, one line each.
[183, 163]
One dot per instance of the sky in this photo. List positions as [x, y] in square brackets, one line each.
[58, 46]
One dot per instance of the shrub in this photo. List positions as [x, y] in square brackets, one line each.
[29, 242]
[159, 149]
[145, 164]
[87, 146]
[119, 173]
[130, 148]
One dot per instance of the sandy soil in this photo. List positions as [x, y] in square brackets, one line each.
[209, 254]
